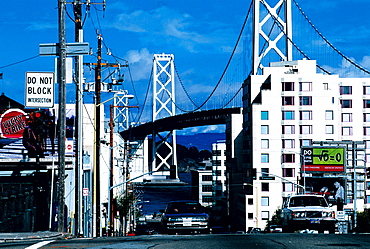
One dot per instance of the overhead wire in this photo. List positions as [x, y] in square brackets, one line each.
[229, 61]
[18, 62]
[329, 43]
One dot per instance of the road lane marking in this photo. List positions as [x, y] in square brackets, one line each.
[40, 244]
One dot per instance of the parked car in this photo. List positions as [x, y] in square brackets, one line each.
[182, 216]
[275, 229]
[254, 230]
[308, 212]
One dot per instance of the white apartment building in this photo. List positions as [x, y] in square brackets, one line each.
[219, 170]
[291, 105]
[202, 183]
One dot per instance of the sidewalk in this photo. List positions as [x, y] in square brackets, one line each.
[26, 236]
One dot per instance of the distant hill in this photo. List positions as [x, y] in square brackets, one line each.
[202, 141]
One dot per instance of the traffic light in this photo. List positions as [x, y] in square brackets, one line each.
[254, 174]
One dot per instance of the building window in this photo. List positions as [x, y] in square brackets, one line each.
[264, 115]
[288, 129]
[264, 158]
[288, 143]
[264, 129]
[367, 158]
[305, 115]
[305, 100]
[366, 90]
[264, 144]
[217, 172]
[329, 115]
[367, 144]
[305, 86]
[329, 129]
[366, 117]
[216, 163]
[305, 129]
[305, 142]
[347, 131]
[288, 172]
[288, 100]
[265, 215]
[250, 216]
[265, 170]
[326, 86]
[288, 187]
[287, 86]
[206, 178]
[207, 188]
[346, 117]
[265, 186]
[346, 103]
[345, 90]
[366, 103]
[288, 115]
[366, 131]
[265, 201]
[288, 158]
[216, 152]
[207, 199]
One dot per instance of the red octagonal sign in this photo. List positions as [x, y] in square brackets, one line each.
[12, 123]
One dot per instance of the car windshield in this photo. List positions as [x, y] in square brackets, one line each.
[184, 207]
[303, 201]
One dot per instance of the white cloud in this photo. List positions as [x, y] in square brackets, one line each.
[140, 63]
[168, 27]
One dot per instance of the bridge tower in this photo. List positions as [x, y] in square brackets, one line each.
[272, 33]
[164, 159]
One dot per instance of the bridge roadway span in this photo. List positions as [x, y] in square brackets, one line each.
[201, 118]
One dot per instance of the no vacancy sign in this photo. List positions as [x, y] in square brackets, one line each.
[39, 89]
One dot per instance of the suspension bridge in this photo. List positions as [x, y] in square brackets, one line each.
[269, 33]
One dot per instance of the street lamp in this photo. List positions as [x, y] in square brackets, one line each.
[257, 213]
[303, 166]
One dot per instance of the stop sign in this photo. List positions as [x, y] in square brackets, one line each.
[12, 123]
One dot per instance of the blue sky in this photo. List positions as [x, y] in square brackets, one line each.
[201, 35]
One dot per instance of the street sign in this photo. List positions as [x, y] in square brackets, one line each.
[85, 191]
[39, 89]
[69, 147]
[12, 123]
[72, 49]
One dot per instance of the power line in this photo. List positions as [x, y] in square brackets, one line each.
[18, 62]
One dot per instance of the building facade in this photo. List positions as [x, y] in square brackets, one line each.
[289, 106]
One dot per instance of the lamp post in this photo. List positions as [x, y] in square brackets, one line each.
[303, 168]
[257, 203]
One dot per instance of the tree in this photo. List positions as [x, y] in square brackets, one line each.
[275, 219]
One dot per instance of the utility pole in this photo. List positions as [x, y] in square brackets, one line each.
[97, 138]
[110, 195]
[62, 113]
[78, 118]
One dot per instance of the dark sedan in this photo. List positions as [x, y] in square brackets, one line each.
[182, 216]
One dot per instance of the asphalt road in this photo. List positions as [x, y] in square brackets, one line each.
[208, 241]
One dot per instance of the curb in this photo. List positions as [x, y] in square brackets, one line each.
[14, 237]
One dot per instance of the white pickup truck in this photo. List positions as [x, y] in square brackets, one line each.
[308, 212]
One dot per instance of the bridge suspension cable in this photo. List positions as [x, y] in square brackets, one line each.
[328, 42]
[198, 107]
